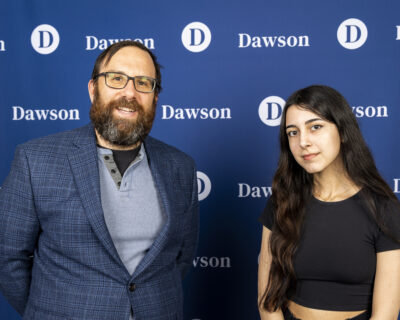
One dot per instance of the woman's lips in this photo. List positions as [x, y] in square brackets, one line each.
[309, 156]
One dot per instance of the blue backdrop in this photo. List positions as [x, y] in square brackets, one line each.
[228, 67]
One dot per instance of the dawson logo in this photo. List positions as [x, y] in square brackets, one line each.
[270, 110]
[93, 42]
[396, 188]
[2, 45]
[245, 190]
[203, 185]
[19, 113]
[169, 112]
[398, 32]
[245, 41]
[45, 39]
[196, 37]
[212, 262]
[370, 111]
[352, 33]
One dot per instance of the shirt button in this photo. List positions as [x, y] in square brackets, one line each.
[119, 183]
[113, 171]
[106, 158]
[132, 287]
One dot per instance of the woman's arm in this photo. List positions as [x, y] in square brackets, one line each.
[386, 298]
[263, 272]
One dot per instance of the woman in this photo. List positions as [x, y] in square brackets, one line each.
[330, 245]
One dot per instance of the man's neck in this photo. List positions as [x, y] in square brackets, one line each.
[106, 144]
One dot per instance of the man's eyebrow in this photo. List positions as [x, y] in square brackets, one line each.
[307, 122]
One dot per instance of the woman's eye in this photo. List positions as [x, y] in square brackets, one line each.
[291, 133]
[316, 127]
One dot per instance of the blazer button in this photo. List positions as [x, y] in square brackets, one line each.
[132, 287]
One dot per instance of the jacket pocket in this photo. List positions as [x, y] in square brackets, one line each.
[44, 315]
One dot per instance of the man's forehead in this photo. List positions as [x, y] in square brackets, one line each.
[128, 53]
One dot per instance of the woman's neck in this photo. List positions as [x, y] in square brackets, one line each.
[335, 185]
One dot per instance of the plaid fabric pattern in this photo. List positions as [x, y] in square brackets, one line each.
[57, 259]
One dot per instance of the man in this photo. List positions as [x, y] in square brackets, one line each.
[101, 222]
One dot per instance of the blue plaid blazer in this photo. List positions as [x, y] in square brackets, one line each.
[57, 259]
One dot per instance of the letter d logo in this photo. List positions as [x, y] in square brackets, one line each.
[270, 110]
[45, 39]
[203, 185]
[352, 33]
[196, 37]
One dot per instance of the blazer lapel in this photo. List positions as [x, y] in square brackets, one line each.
[84, 165]
[162, 179]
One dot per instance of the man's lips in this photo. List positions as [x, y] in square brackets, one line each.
[309, 156]
[125, 111]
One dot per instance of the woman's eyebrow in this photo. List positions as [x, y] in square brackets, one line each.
[307, 122]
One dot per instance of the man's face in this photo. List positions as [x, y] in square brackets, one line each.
[123, 117]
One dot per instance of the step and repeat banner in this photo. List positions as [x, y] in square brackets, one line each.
[228, 67]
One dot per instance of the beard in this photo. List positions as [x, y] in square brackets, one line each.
[120, 131]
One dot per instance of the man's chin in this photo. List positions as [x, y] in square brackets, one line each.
[123, 139]
[124, 123]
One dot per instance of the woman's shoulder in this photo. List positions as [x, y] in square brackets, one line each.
[267, 217]
[387, 217]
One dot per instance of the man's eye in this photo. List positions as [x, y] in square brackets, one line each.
[115, 77]
[143, 82]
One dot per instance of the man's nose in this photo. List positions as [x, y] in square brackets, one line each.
[129, 90]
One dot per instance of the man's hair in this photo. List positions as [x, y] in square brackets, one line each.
[105, 57]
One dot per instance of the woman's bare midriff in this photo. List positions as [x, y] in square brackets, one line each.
[304, 313]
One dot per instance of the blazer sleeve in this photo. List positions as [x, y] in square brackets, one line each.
[19, 230]
[191, 231]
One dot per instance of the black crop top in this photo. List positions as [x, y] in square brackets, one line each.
[336, 259]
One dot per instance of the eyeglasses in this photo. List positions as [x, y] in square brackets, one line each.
[117, 80]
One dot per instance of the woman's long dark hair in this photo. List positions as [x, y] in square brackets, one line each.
[292, 186]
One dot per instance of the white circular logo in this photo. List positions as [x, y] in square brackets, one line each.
[45, 39]
[270, 110]
[196, 37]
[352, 33]
[203, 185]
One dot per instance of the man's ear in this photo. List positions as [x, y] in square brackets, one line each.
[91, 86]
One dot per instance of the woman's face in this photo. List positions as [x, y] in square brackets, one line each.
[314, 142]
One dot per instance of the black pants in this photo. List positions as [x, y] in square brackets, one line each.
[363, 316]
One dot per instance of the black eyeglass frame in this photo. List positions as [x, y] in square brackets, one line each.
[155, 82]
